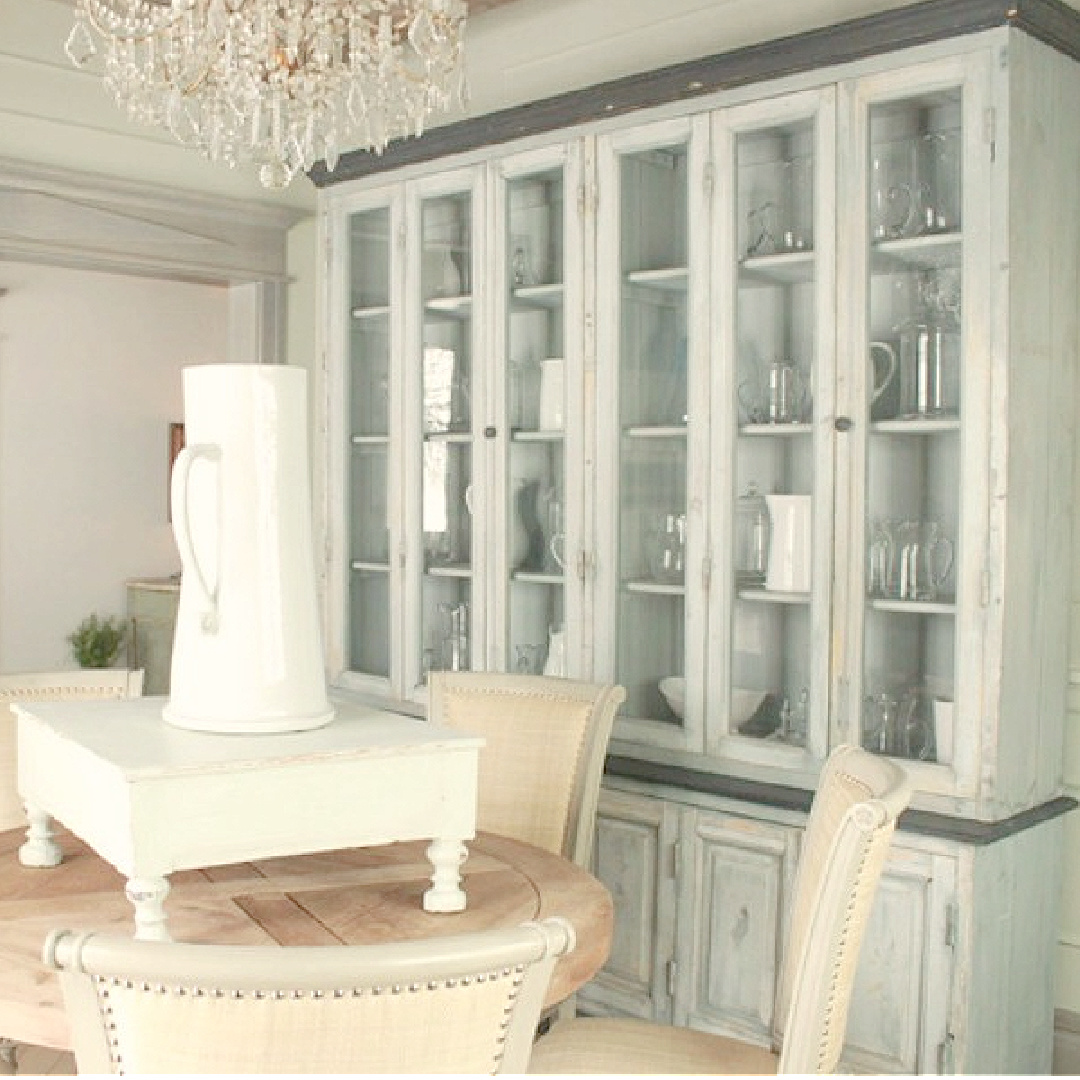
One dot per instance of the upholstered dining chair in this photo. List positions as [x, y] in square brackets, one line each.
[466, 1003]
[851, 822]
[50, 686]
[541, 766]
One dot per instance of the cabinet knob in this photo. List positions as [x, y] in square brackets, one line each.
[490, 432]
[843, 423]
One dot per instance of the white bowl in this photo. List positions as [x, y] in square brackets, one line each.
[673, 687]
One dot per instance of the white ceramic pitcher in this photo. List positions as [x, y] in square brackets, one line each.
[247, 655]
[789, 543]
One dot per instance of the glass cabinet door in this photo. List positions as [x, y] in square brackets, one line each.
[651, 262]
[447, 383]
[538, 248]
[915, 407]
[369, 612]
[777, 357]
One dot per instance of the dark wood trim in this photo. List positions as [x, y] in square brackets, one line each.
[1051, 21]
[921, 822]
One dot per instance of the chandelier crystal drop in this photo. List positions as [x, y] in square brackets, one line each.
[282, 83]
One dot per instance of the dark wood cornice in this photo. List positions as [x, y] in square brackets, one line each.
[783, 797]
[1051, 21]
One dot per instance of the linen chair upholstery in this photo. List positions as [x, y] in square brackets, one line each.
[541, 765]
[466, 1003]
[49, 686]
[846, 840]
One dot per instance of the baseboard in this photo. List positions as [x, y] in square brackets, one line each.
[1066, 1042]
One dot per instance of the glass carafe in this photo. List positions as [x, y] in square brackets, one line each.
[751, 537]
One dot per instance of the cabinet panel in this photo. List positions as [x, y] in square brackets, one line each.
[900, 1010]
[633, 857]
[738, 891]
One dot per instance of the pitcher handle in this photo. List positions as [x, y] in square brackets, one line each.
[181, 522]
[943, 544]
[890, 353]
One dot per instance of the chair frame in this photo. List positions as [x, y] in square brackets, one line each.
[265, 974]
[852, 819]
[604, 700]
[79, 684]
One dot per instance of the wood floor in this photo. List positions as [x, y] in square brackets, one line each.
[39, 1061]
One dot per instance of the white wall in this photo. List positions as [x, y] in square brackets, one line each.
[89, 381]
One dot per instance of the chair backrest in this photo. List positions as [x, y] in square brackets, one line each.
[851, 822]
[467, 1003]
[541, 766]
[49, 686]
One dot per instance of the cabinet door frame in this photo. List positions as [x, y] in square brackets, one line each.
[693, 132]
[977, 634]
[651, 999]
[472, 180]
[332, 408]
[570, 157]
[766, 852]
[819, 106]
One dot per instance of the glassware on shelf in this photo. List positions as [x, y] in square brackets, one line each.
[779, 394]
[455, 633]
[925, 560]
[528, 659]
[751, 537]
[667, 549]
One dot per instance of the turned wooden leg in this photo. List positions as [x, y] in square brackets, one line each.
[445, 894]
[8, 1062]
[41, 848]
[148, 896]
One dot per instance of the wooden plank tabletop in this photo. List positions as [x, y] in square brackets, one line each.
[352, 897]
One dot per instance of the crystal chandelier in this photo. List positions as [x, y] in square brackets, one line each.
[282, 83]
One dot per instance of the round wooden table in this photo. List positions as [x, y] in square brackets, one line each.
[352, 897]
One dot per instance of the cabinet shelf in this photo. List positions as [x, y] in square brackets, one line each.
[537, 577]
[462, 436]
[786, 268]
[930, 252]
[369, 440]
[913, 607]
[449, 307]
[449, 570]
[773, 596]
[376, 313]
[529, 297]
[916, 425]
[655, 431]
[523, 435]
[798, 428]
[655, 588]
[368, 566]
[665, 279]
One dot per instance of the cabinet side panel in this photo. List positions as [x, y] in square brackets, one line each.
[1043, 136]
[1008, 1026]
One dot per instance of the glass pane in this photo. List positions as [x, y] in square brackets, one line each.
[368, 630]
[653, 413]
[536, 408]
[446, 423]
[914, 407]
[774, 406]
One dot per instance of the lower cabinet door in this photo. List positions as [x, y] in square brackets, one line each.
[898, 1021]
[739, 874]
[634, 856]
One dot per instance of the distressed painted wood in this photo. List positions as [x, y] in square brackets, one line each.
[634, 856]
[351, 897]
[878, 34]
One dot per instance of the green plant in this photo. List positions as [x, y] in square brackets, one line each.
[96, 641]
